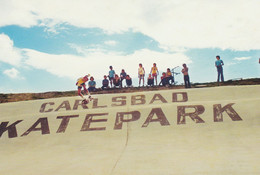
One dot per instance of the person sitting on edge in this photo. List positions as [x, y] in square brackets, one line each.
[128, 80]
[91, 85]
[116, 81]
[122, 77]
[105, 83]
[163, 80]
[150, 80]
[169, 76]
[81, 83]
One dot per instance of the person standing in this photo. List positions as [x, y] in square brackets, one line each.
[141, 73]
[154, 71]
[219, 63]
[111, 75]
[186, 76]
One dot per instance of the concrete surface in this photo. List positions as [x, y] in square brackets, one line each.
[207, 131]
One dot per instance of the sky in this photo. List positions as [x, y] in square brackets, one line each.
[46, 45]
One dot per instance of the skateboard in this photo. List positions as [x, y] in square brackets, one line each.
[87, 100]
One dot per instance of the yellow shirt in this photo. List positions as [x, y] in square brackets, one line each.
[141, 70]
[154, 70]
[81, 81]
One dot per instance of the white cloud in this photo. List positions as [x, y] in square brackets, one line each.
[229, 24]
[93, 61]
[8, 53]
[17, 13]
[12, 73]
[59, 65]
[242, 58]
[86, 49]
[231, 64]
[110, 43]
[97, 63]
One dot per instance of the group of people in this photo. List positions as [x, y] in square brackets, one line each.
[112, 78]
[167, 77]
[116, 80]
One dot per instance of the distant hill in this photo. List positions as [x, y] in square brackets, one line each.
[4, 98]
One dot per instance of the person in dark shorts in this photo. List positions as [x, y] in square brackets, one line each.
[164, 81]
[128, 80]
[169, 76]
[91, 85]
[105, 83]
[150, 80]
[111, 75]
[116, 81]
[81, 83]
[122, 77]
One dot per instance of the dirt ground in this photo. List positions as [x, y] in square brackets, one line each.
[5, 98]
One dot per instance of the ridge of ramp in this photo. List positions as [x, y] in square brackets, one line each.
[183, 131]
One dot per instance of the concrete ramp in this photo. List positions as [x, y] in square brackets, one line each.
[209, 131]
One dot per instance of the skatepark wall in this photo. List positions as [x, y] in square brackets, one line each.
[181, 131]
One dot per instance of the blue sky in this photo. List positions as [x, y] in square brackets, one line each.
[47, 45]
